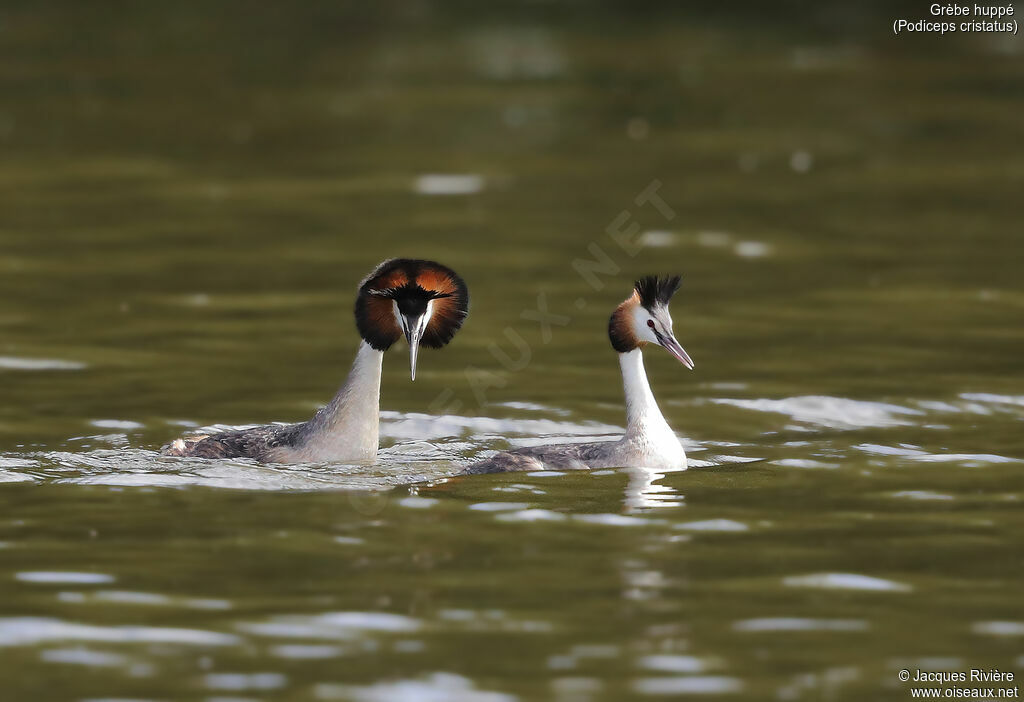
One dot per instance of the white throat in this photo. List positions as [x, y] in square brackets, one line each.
[646, 428]
[347, 429]
[424, 319]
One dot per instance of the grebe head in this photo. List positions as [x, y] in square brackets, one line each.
[424, 300]
[643, 318]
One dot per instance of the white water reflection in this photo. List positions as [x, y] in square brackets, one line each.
[425, 448]
[13, 462]
[719, 525]
[807, 463]
[123, 424]
[922, 495]
[435, 687]
[306, 651]
[238, 682]
[994, 399]
[429, 448]
[646, 491]
[139, 468]
[847, 414]
[916, 454]
[39, 364]
[617, 520]
[142, 599]
[830, 412]
[63, 578]
[448, 184]
[688, 685]
[776, 624]
[23, 631]
[498, 506]
[531, 515]
[83, 656]
[489, 620]
[999, 628]
[427, 427]
[820, 685]
[673, 663]
[331, 625]
[845, 581]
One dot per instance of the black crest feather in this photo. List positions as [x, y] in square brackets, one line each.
[657, 290]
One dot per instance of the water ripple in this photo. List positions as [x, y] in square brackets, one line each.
[39, 364]
[531, 515]
[83, 656]
[237, 682]
[25, 631]
[724, 525]
[448, 184]
[673, 663]
[921, 495]
[830, 412]
[436, 687]
[917, 454]
[771, 624]
[688, 685]
[845, 581]
[414, 425]
[331, 625]
[998, 628]
[63, 577]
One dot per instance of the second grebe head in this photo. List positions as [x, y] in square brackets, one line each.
[424, 300]
[643, 318]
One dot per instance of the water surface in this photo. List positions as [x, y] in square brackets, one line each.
[190, 196]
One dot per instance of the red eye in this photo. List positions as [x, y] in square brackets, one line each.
[650, 323]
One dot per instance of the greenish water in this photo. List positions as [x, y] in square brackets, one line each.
[189, 195]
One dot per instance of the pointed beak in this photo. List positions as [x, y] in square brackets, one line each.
[413, 327]
[674, 348]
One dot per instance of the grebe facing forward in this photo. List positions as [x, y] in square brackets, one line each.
[421, 299]
[649, 441]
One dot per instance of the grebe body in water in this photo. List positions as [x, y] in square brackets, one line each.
[425, 301]
[649, 442]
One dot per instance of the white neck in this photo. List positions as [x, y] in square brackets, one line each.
[645, 424]
[347, 429]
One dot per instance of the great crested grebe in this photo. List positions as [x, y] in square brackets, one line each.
[649, 441]
[422, 299]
